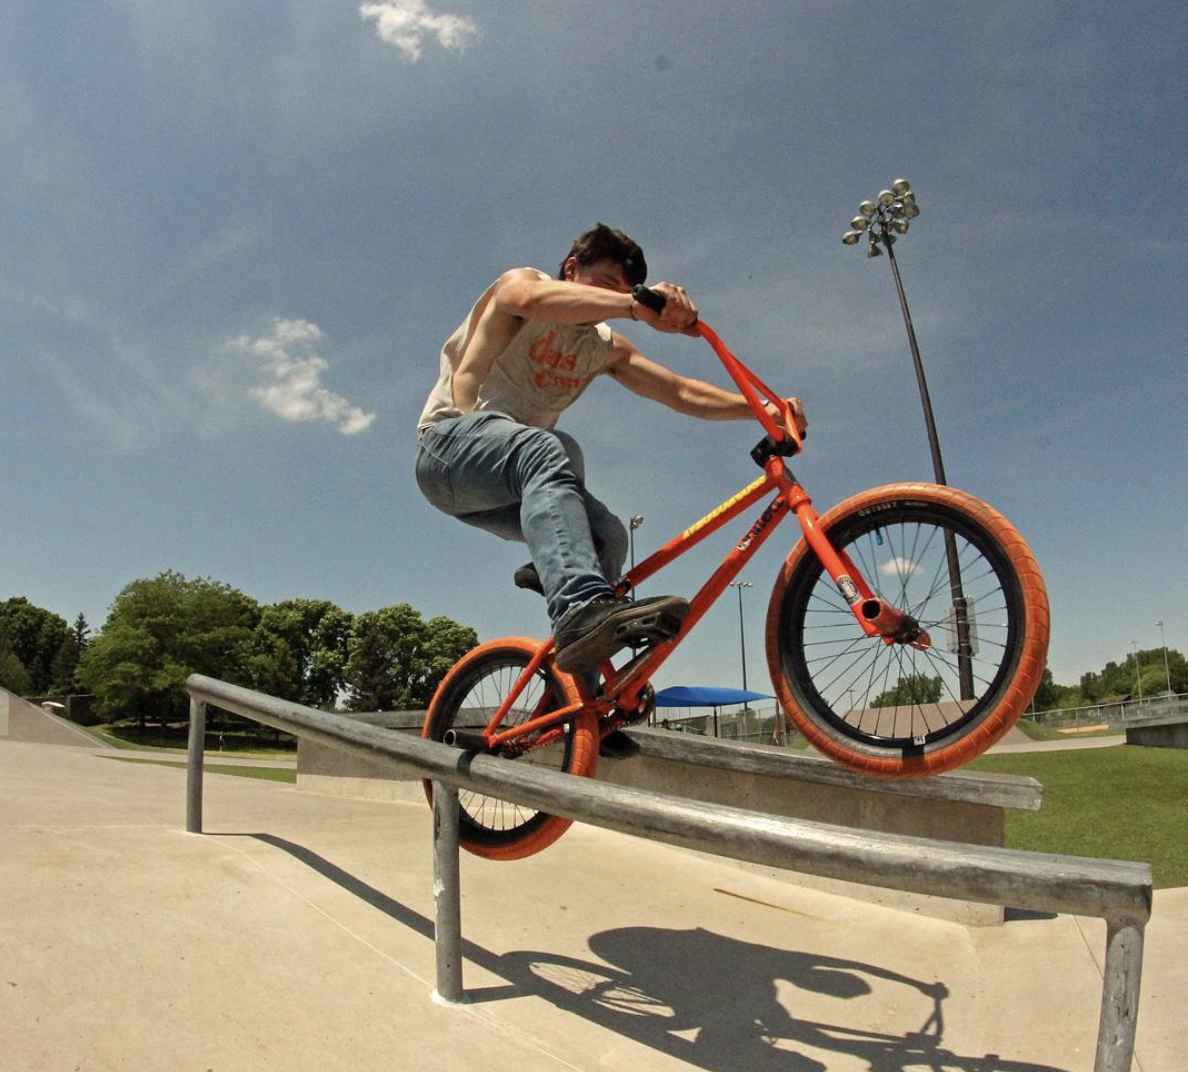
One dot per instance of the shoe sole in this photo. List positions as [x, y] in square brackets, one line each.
[622, 629]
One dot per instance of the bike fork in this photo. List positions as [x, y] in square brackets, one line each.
[875, 617]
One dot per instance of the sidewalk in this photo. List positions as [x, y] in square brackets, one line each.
[297, 934]
[1069, 745]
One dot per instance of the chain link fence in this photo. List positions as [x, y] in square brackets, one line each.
[758, 724]
[1118, 713]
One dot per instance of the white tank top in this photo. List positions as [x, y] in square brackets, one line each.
[539, 374]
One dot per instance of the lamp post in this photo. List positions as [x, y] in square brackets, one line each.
[742, 644]
[635, 523]
[884, 221]
[1166, 667]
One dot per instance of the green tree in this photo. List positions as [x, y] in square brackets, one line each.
[300, 651]
[64, 669]
[911, 689]
[1049, 693]
[13, 675]
[158, 632]
[1091, 687]
[35, 636]
[1122, 678]
[397, 658]
[81, 631]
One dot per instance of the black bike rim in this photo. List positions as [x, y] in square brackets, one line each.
[818, 678]
[484, 818]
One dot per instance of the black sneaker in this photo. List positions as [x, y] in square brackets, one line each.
[606, 625]
[527, 577]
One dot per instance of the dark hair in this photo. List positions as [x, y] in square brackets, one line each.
[605, 243]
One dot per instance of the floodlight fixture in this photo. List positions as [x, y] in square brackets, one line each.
[859, 223]
[900, 187]
[867, 209]
[851, 237]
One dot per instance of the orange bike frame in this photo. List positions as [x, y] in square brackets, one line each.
[623, 687]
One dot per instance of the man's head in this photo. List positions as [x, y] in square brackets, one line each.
[602, 243]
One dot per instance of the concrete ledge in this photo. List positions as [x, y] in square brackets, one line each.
[335, 773]
[1159, 731]
[964, 807]
[1001, 790]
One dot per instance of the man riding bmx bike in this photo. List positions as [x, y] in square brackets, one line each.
[489, 452]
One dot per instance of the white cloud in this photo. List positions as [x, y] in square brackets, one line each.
[407, 23]
[291, 367]
[899, 567]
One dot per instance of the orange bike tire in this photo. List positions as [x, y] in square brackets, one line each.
[1013, 696]
[583, 752]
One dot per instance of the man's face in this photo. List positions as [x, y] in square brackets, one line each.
[605, 273]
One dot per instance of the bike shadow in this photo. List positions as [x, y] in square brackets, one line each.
[715, 1002]
[707, 999]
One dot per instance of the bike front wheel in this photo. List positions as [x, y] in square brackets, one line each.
[468, 696]
[960, 569]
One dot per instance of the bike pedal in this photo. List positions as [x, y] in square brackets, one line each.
[650, 629]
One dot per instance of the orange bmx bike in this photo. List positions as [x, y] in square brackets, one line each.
[906, 632]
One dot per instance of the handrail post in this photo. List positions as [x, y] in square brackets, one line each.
[1122, 976]
[447, 895]
[197, 745]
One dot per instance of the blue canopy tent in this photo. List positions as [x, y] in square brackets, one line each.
[706, 696]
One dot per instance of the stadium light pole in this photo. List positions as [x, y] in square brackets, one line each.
[742, 643]
[636, 522]
[1166, 665]
[883, 221]
[1138, 673]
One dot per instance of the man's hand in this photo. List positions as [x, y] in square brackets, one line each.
[795, 411]
[679, 316]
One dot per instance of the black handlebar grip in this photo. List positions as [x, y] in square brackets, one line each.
[653, 299]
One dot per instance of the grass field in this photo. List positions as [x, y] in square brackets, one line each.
[271, 774]
[175, 740]
[1124, 803]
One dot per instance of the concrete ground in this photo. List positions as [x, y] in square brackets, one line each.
[297, 934]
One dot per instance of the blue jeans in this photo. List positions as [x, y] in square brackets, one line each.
[526, 484]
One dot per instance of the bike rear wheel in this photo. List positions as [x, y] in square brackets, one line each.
[467, 697]
[892, 710]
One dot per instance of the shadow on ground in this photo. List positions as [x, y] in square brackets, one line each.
[707, 999]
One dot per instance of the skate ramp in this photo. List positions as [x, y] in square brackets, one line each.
[26, 722]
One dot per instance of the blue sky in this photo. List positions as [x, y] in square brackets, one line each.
[235, 236]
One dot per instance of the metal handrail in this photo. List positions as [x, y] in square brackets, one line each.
[1116, 891]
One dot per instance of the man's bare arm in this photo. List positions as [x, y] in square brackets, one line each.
[530, 296]
[694, 398]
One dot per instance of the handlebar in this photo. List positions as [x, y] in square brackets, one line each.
[747, 381]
